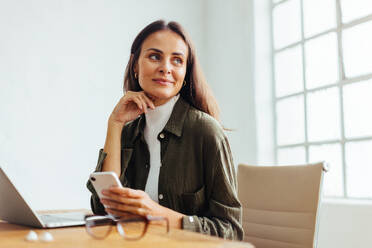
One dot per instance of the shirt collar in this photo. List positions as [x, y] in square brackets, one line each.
[157, 118]
[174, 124]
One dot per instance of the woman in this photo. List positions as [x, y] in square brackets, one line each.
[165, 143]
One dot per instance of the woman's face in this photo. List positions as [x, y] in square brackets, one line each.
[161, 66]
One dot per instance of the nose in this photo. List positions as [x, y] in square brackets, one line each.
[165, 67]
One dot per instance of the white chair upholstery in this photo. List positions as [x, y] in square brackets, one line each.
[280, 204]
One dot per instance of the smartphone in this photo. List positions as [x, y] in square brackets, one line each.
[104, 180]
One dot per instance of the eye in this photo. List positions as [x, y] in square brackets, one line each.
[178, 61]
[154, 56]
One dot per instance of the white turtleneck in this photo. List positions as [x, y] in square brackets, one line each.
[156, 119]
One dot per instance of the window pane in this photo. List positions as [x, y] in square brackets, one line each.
[353, 9]
[321, 61]
[358, 50]
[331, 153]
[323, 110]
[290, 120]
[287, 23]
[292, 156]
[288, 71]
[319, 15]
[357, 109]
[359, 169]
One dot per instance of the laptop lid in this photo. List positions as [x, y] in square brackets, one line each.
[15, 209]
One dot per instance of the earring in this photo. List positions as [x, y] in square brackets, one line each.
[184, 83]
[135, 75]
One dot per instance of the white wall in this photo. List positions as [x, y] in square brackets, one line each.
[229, 57]
[61, 71]
[263, 77]
[345, 224]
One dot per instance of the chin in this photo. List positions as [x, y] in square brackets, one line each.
[163, 93]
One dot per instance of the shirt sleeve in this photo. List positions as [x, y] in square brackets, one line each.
[223, 217]
[95, 203]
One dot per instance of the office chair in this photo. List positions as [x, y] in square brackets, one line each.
[280, 204]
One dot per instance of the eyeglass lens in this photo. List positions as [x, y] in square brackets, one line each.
[99, 227]
[131, 229]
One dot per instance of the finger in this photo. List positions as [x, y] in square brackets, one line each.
[132, 193]
[116, 190]
[114, 199]
[138, 102]
[132, 98]
[113, 204]
[128, 209]
[143, 101]
[122, 207]
[107, 203]
[118, 212]
[148, 101]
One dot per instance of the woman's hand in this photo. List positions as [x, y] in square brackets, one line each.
[121, 201]
[127, 201]
[130, 106]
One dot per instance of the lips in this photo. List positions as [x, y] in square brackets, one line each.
[162, 81]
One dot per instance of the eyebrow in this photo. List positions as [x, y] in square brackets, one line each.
[160, 51]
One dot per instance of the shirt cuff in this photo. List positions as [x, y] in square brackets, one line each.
[101, 157]
[191, 223]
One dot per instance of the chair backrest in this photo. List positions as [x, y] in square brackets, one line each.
[280, 204]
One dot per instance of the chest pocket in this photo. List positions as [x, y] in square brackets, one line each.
[194, 203]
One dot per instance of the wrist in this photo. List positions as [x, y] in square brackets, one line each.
[112, 123]
[175, 218]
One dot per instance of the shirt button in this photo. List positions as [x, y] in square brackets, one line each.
[161, 196]
[161, 136]
[147, 166]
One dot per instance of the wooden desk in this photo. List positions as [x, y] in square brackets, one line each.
[12, 236]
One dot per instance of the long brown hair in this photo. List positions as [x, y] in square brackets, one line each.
[196, 91]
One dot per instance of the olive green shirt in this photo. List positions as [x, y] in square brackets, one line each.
[197, 176]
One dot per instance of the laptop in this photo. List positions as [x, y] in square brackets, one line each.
[14, 209]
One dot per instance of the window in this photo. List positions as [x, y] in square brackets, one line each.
[322, 60]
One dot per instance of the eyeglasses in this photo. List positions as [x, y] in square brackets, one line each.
[130, 228]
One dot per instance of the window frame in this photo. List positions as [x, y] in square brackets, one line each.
[341, 82]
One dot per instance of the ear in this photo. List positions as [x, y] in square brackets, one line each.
[135, 67]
